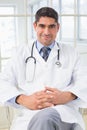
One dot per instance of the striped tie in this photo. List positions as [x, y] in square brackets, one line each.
[45, 52]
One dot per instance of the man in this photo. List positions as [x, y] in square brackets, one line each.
[48, 90]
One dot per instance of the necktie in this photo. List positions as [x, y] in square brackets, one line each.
[45, 52]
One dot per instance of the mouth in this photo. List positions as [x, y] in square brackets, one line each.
[46, 37]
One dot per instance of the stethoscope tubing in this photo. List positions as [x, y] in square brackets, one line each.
[31, 56]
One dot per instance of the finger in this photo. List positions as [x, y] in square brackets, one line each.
[45, 105]
[48, 98]
[42, 96]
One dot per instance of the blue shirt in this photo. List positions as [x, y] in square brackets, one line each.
[39, 45]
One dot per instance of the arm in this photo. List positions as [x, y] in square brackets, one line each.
[9, 80]
[47, 98]
[60, 97]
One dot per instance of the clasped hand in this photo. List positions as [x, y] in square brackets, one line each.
[41, 99]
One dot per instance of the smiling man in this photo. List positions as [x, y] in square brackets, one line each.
[46, 29]
[45, 80]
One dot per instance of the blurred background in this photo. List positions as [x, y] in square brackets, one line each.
[16, 28]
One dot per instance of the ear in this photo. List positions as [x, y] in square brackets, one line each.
[35, 25]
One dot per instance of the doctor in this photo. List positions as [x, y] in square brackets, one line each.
[45, 80]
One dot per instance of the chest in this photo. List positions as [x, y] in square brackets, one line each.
[44, 74]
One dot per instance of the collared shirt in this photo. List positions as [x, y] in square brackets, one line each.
[39, 45]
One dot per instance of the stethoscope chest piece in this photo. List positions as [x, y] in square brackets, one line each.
[58, 64]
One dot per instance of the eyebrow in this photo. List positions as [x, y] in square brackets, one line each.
[50, 26]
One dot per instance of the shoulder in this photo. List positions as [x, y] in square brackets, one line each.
[68, 49]
[22, 49]
[70, 52]
[21, 52]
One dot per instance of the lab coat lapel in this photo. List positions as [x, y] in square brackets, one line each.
[53, 53]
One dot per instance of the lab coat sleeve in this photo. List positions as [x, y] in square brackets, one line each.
[8, 88]
[79, 82]
[12, 102]
[8, 82]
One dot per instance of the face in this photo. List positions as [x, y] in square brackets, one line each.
[46, 30]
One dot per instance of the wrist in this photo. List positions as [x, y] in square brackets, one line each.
[72, 96]
[68, 96]
[18, 99]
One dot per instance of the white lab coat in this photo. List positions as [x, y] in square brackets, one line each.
[71, 76]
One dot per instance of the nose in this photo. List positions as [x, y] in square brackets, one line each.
[46, 31]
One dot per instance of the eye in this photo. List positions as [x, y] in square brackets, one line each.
[42, 25]
[52, 26]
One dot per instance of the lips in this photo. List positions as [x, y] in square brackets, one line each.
[46, 37]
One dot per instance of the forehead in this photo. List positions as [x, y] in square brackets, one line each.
[46, 20]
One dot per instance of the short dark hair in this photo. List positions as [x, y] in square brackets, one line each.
[46, 12]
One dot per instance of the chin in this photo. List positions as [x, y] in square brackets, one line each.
[47, 43]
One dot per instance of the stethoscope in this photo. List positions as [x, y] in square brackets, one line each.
[31, 61]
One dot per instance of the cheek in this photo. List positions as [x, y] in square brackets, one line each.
[38, 31]
[54, 33]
